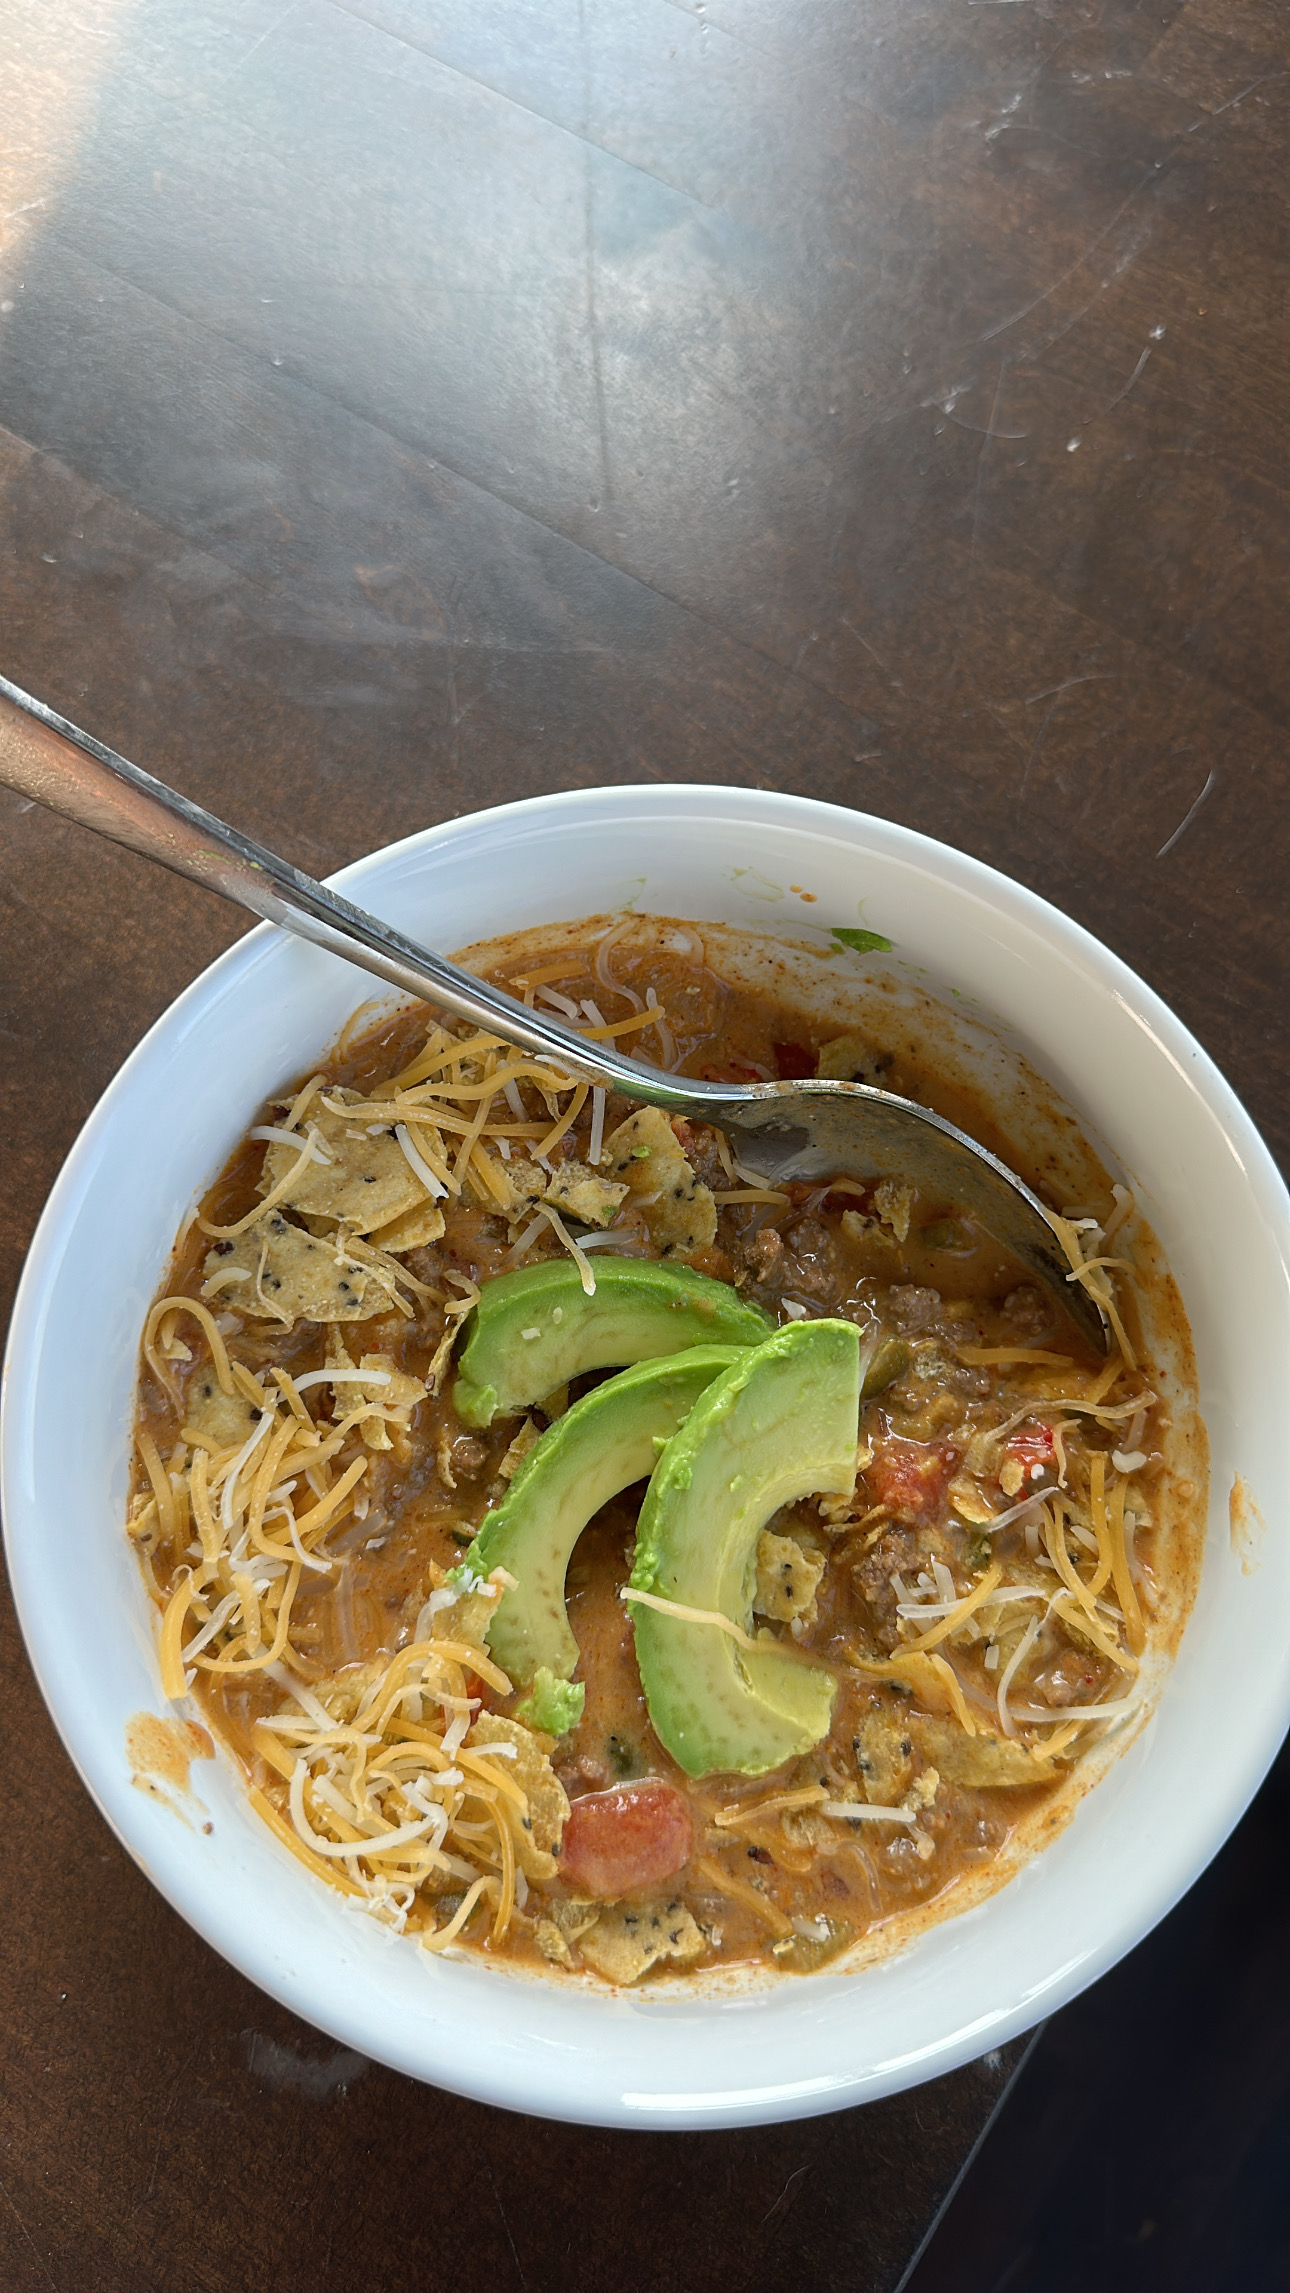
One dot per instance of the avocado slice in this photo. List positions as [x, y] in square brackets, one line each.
[609, 1439]
[781, 1424]
[536, 1328]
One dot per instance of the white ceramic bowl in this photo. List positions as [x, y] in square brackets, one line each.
[255, 1019]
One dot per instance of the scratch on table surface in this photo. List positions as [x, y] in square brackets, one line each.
[1124, 261]
[1239, 97]
[1092, 677]
[989, 433]
[1054, 694]
[256, 45]
[1095, 242]
[976, 427]
[40, 2263]
[519, 2266]
[1187, 819]
[1132, 379]
[1036, 746]
[870, 650]
[176, 2082]
[790, 2191]
[1008, 730]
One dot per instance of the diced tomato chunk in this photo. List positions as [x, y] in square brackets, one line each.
[1032, 1445]
[619, 1842]
[910, 1478]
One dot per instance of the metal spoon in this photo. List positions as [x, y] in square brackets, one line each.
[805, 1130]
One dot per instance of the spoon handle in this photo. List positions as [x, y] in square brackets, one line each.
[68, 771]
[835, 1126]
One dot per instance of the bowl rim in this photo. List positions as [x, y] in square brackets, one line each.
[679, 803]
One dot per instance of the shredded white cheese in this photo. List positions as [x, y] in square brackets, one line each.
[417, 1162]
[855, 1811]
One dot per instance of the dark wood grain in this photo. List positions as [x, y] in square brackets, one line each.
[407, 405]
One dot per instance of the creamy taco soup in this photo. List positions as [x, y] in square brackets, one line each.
[597, 1559]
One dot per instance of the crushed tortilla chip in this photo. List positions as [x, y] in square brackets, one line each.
[567, 1923]
[367, 1183]
[286, 1275]
[982, 1761]
[970, 1501]
[538, 1834]
[787, 1578]
[572, 1187]
[893, 1203]
[416, 1228]
[214, 1419]
[468, 1618]
[525, 1439]
[395, 1392]
[583, 1193]
[630, 1938]
[884, 1751]
[645, 1155]
[848, 1059]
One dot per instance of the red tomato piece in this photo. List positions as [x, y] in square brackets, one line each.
[1032, 1445]
[910, 1478]
[618, 1842]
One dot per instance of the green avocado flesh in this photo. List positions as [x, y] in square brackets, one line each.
[551, 1704]
[781, 1424]
[609, 1439]
[535, 1329]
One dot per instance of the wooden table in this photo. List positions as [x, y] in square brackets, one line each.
[413, 404]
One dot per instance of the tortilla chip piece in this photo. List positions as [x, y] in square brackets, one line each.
[526, 1181]
[552, 1944]
[984, 1762]
[538, 1834]
[467, 1619]
[893, 1202]
[394, 1391]
[584, 1194]
[214, 1419]
[630, 1938]
[848, 1059]
[565, 1922]
[417, 1227]
[368, 1182]
[645, 1155]
[527, 1438]
[344, 1692]
[808, 1832]
[572, 1187]
[884, 1756]
[786, 1578]
[970, 1501]
[289, 1277]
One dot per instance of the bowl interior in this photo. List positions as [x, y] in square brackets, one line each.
[1147, 1097]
